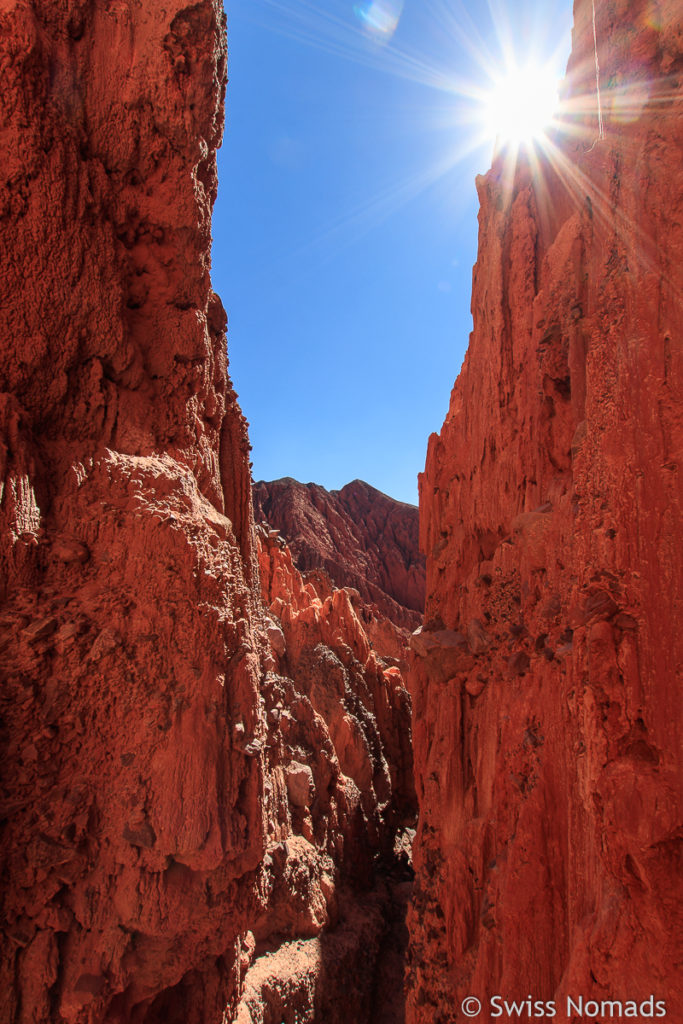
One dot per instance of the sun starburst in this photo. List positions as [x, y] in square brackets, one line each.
[520, 105]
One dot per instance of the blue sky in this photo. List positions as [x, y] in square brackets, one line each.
[346, 223]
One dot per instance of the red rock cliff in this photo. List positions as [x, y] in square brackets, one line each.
[180, 816]
[130, 800]
[546, 718]
[361, 537]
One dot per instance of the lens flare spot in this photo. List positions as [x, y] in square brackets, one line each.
[379, 18]
[520, 106]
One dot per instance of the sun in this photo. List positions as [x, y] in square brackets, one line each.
[519, 107]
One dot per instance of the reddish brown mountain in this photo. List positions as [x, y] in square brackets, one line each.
[361, 537]
[546, 682]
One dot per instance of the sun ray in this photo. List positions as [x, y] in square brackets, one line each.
[493, 102]
[521, 105]
[358, 220]
[550, 159]
[344, 36]
[307, 22]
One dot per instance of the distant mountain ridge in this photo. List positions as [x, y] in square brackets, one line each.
[361, 537]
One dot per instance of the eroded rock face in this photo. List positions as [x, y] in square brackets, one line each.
[173, 800]
[129, 614]
[341, 801]
[359, 536]
[359, 695]
[544, 683]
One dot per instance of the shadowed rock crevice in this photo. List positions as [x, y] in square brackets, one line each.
[339, 753]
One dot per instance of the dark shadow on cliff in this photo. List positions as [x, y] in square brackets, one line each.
[363, 960]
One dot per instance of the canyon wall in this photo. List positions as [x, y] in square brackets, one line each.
[546, 680]
[129, 625]
[362, 538]
[178, 814]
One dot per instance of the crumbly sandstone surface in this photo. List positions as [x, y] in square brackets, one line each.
[546, 680]
[189, 786]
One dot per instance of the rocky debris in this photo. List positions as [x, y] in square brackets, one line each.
[362, 538]
[300, 785]
[334, 977]
[359, 695]
[544, 683]
[339, 803]
[190, 780]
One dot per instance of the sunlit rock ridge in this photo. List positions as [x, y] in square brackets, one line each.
[546, 681]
